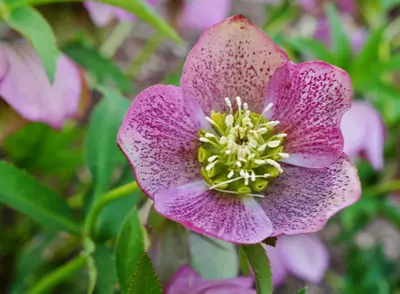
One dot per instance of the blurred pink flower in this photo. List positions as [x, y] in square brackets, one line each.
[26, 88]
[194, 14]
[289, 118]
[364, 133]
[186, 280]
[348, 6]
[304, 256]
[103, 14]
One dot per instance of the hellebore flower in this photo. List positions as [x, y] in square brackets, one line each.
[103, 14]
[304, 256]
[26, 88]
[186, 280]
[264, 162]
[364, 133]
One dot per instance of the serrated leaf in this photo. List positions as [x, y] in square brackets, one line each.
[169, 249]
[25, 194]
[313, 47]
[144, 279]
[340, 41]
[100, 66]
[222, 263]
[260, 263]
[129, 248]
[101, 151]
[33, 26]
[107, 273]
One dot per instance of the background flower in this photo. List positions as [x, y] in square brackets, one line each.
[26, 88]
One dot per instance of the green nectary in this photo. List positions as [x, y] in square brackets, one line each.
[241, 153]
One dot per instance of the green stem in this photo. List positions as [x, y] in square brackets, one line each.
[385, 188]
[115, 194]
[116, 38]
[58, 275]
[144, 55]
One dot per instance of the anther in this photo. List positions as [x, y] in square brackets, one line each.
[259, 161]
[230, 175]
[210, 121]
[266, 175]
[209, 135]
[239, 102]
[262, 131]
[228, 102]
[227, 152]
[246, 178]
[283, 155]
[281, 135]
[274, 164]
[202, 139]
[245, 106]
[272, 123]
[253, 176]
[229, 120]
[273, 144]
[223, 140]
[262, 148]
[238, 164]
[212, 158]
[211, 165]
[266, 109]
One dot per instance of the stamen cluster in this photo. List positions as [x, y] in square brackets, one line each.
[241, 154]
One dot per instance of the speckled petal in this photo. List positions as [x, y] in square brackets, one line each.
[305, 256]
[278, 266]
[232, 58]
[159, 137]
[26, 88]
[364, 132]
[202, 14]
[186, 280]
[309, 101]
[301, 200]
[225, 216]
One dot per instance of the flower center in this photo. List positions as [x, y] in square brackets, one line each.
[240, 155]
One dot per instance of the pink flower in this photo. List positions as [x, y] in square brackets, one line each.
[103, 14]
[26, 88]
[186, 280]
[194, 14]
[304, 256]
[364, 133]
[271, 162]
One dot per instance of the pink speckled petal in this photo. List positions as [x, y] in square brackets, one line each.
[225, 216]
[186, 280]
[232, 58]
[200, 15]
[305, 256]
[159, 137]
[309, 101]
[301, 200]
[26, 88]
[278, 266]
[101, 14]
[364, 132]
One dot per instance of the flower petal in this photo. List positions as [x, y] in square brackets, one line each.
[278, 266]
[363, 132]
[309, 101]
[202, 14]
[301, 200]
[305, 256]
[227, 217]
[186, 280]
[101, 14]
[232, 58]
[159, 137]
[26, 88]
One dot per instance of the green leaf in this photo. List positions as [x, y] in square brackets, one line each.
[243, 262]
[313, 47]
[92, 270]
[391, 65]
[100, 66]
[107, 273]
[101, 151]
[145, 12]
[260, 263]
[340, 41]
[25, 194]
[144, 279]
[302, 291]
[222, 263]
[129, 248]
[170, 249]
[32, 25]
